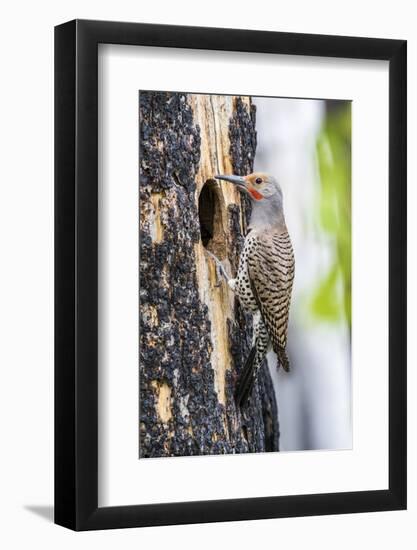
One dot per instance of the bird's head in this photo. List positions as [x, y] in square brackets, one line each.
[258, 186]
[265, 194]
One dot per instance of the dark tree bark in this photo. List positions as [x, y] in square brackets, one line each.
[194, 335]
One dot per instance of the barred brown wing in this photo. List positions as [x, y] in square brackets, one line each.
[271, 272]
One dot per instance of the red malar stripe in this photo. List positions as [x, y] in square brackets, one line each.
[255, 194]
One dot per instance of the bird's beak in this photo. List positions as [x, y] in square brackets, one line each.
[239, 181]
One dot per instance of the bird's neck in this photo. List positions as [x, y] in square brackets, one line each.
[267, 216]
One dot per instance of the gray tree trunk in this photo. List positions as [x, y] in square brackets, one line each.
[194, 335]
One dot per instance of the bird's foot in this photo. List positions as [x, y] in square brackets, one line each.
[232, 284]
[220, 270]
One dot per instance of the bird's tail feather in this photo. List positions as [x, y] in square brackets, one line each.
[247, 379]
[283, 359]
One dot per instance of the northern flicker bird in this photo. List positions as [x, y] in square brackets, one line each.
[265, 275]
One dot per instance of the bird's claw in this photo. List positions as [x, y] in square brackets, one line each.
[218, 277]
[220, 270]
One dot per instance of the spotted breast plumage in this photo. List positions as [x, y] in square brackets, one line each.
[265, 275]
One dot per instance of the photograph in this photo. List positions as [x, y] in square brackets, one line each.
[208, 266]
[244, 274]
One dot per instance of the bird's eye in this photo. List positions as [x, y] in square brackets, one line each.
[258, 180]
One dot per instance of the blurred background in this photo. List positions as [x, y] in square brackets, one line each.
[306, 144]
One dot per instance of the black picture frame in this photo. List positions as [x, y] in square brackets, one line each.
[76, 271]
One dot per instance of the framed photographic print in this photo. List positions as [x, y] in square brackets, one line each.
[230, 275]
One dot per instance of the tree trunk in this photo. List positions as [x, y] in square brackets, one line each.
[194, 335]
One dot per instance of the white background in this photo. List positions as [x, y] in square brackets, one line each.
[26, 122]
[123, 479]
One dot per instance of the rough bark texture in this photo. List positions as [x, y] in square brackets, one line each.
[194, 336]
